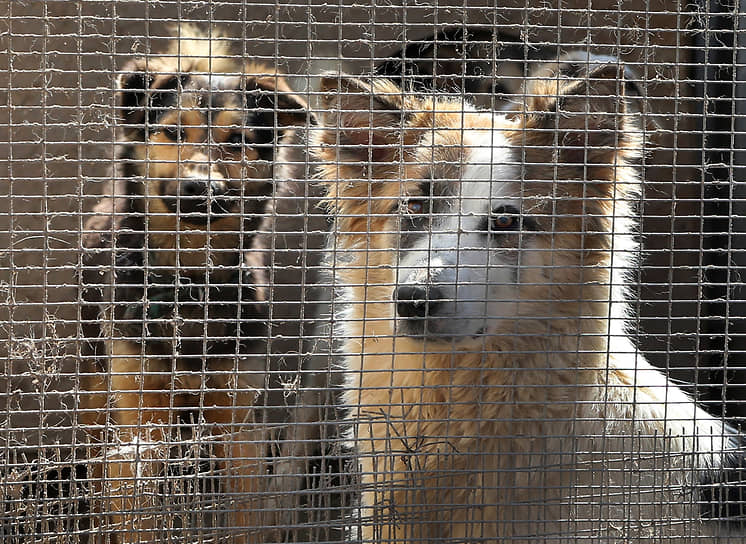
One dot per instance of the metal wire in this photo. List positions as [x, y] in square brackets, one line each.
[266, 279]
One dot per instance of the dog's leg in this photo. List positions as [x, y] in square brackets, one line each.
[401, 506]
[242, 448]
[142, 415]
[94, 402]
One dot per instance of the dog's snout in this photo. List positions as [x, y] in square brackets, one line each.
[200, 195]
[194, 187]
[415, 300]
[197, 187]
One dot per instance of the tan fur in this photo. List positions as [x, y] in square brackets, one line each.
[136, 388]
[524, 435]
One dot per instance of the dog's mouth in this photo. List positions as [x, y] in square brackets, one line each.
[201, 210]
[215, 207]
[425, 329]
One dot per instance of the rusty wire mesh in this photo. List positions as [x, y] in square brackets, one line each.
[188, 385]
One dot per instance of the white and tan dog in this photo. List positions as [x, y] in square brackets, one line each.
[494, 392]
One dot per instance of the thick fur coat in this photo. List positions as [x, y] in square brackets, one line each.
[481, 260]
[175, 287]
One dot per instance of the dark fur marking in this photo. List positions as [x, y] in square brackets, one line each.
[263, 138]
[132, 97]
[137, 96]
[455, 57]
[215, 318]
[162, 100]
[261, 123]
[722, 491]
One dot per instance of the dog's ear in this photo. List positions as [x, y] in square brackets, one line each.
[132, 96]
[584, 119]
[362, 121]
[272, 92]
[143, 92]
[578, 63]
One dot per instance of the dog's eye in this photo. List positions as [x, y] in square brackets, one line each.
[504, 221]
[174, 132]
[236, 139]
[416, 207]
[500, 90]
[505, 218]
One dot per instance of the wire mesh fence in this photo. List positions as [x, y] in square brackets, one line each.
[372, 272]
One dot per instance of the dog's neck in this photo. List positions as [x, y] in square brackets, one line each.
[179, 254]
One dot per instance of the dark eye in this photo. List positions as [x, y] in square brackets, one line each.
[236, 139]
[174, 132]
[416, 206]
[505, 218]
[499, 89]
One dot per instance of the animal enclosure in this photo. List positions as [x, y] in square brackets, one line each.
[372, 272]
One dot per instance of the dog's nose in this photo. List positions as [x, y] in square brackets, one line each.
[194, 193]
[196, 187]
[415, 300]
[191, 188]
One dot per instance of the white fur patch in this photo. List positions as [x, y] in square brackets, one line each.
[490, 163]
[471, 277]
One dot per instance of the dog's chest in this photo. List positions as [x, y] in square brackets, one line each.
[193, 313]
[193, 252]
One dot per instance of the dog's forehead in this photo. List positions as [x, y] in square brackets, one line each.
[212, 82]
[215, 91]
[483, 162]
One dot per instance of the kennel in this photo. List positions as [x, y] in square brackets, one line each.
[62, 65]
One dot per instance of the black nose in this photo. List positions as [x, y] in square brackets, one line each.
[194, 193]
[193, 188]
[415, 300]
[196, 187]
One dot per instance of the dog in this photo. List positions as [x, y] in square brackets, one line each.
[175, 279]
[491, 67]
[481, 261]
[487, 66]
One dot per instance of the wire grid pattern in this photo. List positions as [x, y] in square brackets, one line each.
[241, 415]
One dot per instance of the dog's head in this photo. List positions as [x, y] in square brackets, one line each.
[200, 128]
[489, 218]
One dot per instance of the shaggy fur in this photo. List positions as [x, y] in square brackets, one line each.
[175, 277]
[494, 394]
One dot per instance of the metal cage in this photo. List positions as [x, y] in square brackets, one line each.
[239, 244]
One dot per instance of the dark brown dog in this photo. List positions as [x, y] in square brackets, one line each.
[175, 279]
[491, 67]
[486, 65]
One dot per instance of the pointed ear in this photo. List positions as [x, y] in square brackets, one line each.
[362, 120]
[272, 92]
[589, 115]
[134, 83]
[577, 63]
[145, 90]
